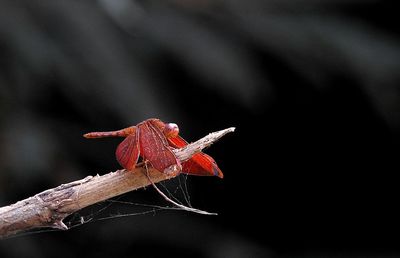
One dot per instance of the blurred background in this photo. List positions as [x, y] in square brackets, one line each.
[312, 87]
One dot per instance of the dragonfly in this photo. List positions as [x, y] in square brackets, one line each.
[153, 141]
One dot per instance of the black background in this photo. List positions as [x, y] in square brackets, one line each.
[311, 86]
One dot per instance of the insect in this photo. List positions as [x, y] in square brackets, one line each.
[153, 140]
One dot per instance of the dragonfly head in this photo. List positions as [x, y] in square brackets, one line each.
[171, 130]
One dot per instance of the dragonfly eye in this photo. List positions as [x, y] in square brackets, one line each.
[171, 130]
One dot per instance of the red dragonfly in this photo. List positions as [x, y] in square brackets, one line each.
[154, 140]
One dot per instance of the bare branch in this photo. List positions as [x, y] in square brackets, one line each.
[50, 207]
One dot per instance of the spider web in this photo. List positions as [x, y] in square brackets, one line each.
[176, 189]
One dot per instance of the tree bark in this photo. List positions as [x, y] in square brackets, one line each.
[50, 207]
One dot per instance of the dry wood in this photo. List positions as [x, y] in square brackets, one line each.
[50, 207]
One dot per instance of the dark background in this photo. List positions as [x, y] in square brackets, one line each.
[312, 87]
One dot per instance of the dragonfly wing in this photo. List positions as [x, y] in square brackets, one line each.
[177, 142]
[128, 151]
[155, 149]
[200, 164]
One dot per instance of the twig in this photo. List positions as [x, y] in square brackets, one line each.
[50, 207]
